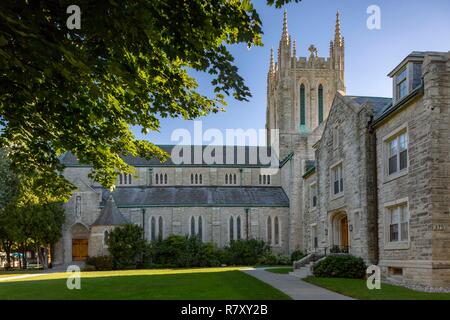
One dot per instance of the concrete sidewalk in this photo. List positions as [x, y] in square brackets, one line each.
[294, 287]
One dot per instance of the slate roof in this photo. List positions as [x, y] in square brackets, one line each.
[251, 157]
[183, 196]
[110, 215]
[379, 104]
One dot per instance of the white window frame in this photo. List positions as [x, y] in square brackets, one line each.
[395, 134]
[398, 82]
[400, 244]
[332, 174]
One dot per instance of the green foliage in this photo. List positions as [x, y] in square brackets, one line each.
[30, 213]
[270, 259]
[183, 251]
[100, 263]
[246, 252]
[127, 246]
[82, 89]
[341, 266]
[297, 255]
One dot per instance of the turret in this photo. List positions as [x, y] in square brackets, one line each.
[337, 53]
[284, 49]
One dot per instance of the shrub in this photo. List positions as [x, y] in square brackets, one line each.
[182, 251]
[268, 259]
[283, 260]
[100, 263]
[340, 266]
[126, 246]
[246, 252]
[89, 267]
[296, 255]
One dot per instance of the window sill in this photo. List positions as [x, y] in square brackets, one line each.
[396, 246]
[389, 178]
[337, 196]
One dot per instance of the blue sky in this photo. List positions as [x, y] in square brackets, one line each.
[406, 25]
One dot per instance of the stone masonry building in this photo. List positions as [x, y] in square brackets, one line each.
[369, 176]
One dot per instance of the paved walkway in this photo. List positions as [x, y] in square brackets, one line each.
[294, 287]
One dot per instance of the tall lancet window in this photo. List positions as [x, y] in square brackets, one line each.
[320, 104]
[302, 106]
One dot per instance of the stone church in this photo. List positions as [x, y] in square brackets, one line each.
[369, 176]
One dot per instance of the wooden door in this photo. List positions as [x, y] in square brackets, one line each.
[344, 232]
[79, 249]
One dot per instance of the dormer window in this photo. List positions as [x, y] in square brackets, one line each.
[407, 76]
[401, 84]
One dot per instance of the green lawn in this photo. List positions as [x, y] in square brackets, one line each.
[357, 288]
[281, 270]
[207, 283]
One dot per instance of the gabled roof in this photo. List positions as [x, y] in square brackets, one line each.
[183, 196]
[251, 157]
[110, 215]
[378, 103]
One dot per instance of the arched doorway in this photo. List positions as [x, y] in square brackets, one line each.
[80, 242]
[340, 237]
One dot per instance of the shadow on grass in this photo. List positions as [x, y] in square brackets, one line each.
[227, 285]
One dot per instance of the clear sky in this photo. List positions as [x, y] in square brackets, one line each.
[406, 26]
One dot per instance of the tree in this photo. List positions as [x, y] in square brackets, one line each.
[40, 227]
[126, 244]
[81, 89]
[30, 211]
[9, 191]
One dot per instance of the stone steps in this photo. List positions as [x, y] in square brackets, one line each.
[302, 272]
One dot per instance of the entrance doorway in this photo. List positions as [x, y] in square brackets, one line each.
[344, 232]
[340, 237]
[79, 249]
[80, 242]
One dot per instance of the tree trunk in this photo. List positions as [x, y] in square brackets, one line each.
[7, 248]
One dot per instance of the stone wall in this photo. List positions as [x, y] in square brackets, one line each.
[425, 259]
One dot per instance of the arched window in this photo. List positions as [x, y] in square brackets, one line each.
[302, 105]
[129, 178]
[231, 229]
[125, 179]
[165, 178]
[153, 229]
[320, 104]
[234, 178]
[268, 179]
[160, 228]
[260, 179]
[200, 176]
[196, 178]
[192, 226]
[269, 230]
[264, 179]
[238, 228]
[200, 228]
[157, 179]
[105, 237]
[277, 231]
[192, 178]
[226, 178]
[120, 179]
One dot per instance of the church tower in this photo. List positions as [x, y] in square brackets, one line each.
[300, 90]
